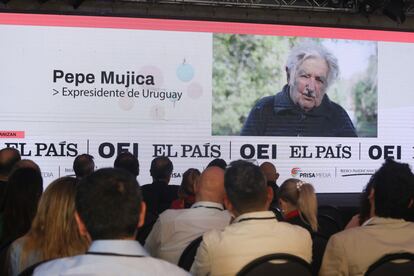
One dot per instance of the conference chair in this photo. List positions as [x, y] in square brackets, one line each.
[276, 264]
[401, 264]
[188, 255]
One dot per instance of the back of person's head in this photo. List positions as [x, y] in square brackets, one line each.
[161, 168]
[23, 191]
[8, 158]
[269, 170]
[393, 188]
[188, 181]
[26, 163]
[302, 196]
[210, 186]
[54, 231]
[127, 161]
[109, 204]
[246, 187]
[83, 165]
[218, 162]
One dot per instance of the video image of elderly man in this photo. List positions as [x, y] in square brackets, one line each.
[302, 108]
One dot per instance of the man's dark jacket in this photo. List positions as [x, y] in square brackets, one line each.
[278, 116]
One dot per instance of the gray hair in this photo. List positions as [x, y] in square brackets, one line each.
[309, 49]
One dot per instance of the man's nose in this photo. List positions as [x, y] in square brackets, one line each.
[311, 84]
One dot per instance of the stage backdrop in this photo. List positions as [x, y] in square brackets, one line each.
[183, 89]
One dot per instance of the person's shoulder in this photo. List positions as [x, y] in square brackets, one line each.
[265, 101]
[172, 187]
[54, 267]
[214, 236]
[146, 186]
[349, 235]
[171, 214]
[292, 228]
[161, 267]
[335, 108]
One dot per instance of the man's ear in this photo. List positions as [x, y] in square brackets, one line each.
[141, 214]
[277, 176]
[81, 227]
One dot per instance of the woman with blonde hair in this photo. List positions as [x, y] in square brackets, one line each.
[54, 232]
[186, 196]
[298, 203]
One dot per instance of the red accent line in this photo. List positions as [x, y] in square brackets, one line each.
[11, 134]
[201, 26]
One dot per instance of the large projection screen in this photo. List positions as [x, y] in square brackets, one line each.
[184, 89]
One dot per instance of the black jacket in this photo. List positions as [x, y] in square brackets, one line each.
[278, 116]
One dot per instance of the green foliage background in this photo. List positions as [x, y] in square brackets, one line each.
[247, 68]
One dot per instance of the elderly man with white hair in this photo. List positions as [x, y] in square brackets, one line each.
[302, 108]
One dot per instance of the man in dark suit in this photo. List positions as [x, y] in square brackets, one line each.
[158, 195]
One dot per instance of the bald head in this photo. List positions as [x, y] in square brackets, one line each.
[210, 186]
[8, 158]
[269, 170]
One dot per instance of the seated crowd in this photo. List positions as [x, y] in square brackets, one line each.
[221, 219]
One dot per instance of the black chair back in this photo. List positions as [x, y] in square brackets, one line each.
[276, 264]
[401, 264]
[188, 255]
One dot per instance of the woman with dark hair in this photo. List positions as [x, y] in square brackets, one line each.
[186, 196]
[23, 191]
[54, 232]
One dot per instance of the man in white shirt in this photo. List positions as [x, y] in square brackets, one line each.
[352, 251]
[255, 232]
[109, 208]
[175, 229]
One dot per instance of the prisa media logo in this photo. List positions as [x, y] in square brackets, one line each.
[295, 171]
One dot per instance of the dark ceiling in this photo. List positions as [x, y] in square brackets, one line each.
[367, 14]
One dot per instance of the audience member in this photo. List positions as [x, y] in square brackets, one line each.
[159, 195]
[298, 203]
[271, 174]
[83, 165]
[53, 233]
[218, 162]
[112, 230]
[365, 211]
[186, 196]
[127, 161]
[8, 158]
[352, 251]
[23, 191]
[299, 206]
[26, 163]
[175, 229]
[254, 232]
